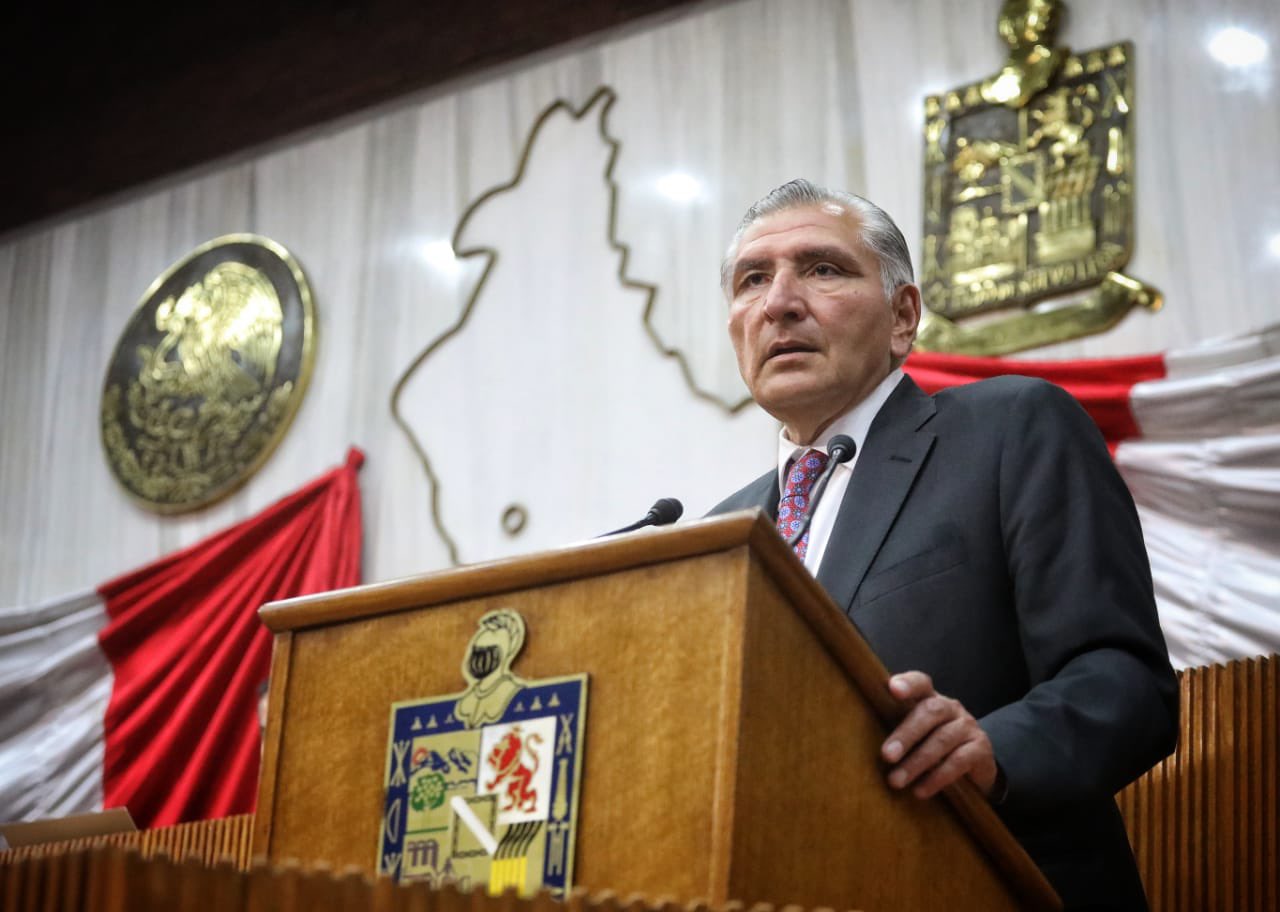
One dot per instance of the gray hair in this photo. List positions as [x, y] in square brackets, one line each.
[879, 233]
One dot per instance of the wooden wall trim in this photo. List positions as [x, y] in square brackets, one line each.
[1205, 822]
[226, 840]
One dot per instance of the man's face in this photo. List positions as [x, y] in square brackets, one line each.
[812, 329]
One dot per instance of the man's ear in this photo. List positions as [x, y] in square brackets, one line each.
[906, 319]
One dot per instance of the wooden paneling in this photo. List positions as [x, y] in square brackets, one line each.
[208, 841]
[112, 879]
[1203, 823]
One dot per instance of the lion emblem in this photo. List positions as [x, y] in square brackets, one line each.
[514, 761]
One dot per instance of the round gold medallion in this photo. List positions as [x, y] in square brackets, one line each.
[208, 373]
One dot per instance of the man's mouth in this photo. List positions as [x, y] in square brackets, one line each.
[787, 348]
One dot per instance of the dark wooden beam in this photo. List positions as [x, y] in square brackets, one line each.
[97, 102]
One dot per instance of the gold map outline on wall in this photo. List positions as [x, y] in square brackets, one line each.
[1029, 194]
[597, 106]
[208, 373]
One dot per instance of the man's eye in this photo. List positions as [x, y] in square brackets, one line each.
[753, 279]
[825, 269]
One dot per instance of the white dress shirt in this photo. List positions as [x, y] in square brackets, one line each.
[855, 422]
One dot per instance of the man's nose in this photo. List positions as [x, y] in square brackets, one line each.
[785, 299]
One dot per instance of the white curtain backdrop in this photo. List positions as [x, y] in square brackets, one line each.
[554, 396]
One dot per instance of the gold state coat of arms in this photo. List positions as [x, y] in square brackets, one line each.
[482, 786]
[1028, 182]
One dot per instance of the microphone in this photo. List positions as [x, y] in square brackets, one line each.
[840, 449]
[664, 512]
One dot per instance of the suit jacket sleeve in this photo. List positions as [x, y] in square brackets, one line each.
[1102, 706]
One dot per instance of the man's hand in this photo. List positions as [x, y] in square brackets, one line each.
[937, 742]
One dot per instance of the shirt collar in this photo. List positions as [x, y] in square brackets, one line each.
[855, 422]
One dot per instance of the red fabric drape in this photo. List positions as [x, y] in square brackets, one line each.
[189, 653]
[1101, 385]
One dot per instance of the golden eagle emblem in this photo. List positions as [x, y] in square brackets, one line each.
[208, 373]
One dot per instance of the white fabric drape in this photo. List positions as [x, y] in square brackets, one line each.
[1206, 477]
[54, 687]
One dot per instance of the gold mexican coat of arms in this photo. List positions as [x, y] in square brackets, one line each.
[208, 373]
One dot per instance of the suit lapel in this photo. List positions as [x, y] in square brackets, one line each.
[763, 492]
[894, 451]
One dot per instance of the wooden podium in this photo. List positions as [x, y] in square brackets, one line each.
[734, 722]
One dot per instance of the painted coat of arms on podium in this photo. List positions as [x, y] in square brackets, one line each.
[482, 786]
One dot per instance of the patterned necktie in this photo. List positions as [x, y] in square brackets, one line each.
[795, 499]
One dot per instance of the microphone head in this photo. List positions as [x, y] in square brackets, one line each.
[841, 448]
[666, 511]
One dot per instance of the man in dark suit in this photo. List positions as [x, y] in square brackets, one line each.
[981, 540]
